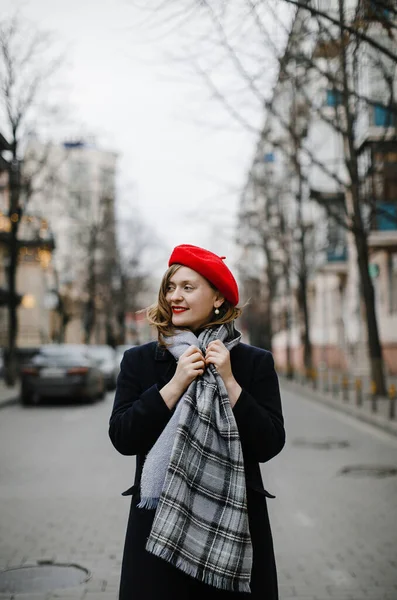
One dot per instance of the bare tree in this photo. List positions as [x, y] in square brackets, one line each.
[345, 36]
[26, 70]
[137, 248]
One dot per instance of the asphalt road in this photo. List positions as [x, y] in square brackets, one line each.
[335, 534]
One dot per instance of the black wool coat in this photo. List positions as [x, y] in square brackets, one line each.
[138, 417]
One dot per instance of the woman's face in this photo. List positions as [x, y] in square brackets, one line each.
[191, 298]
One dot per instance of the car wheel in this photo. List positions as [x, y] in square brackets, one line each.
[29, 399]
[102, 393]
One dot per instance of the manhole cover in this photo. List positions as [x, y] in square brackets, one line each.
[369, 471]
[327, 444]
[42, 578]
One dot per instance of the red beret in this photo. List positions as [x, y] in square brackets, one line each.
[210, 266]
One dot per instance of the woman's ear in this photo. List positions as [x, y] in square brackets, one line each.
[219, 301]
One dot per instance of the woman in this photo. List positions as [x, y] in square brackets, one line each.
[200, 410]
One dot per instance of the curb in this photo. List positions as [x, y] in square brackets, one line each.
[9, 402]
[314, 395]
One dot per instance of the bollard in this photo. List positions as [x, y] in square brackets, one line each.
[345, 388]
[314, 378]
[290, 371]
[335, 385]
[359, 391]
[373, 397]
[392, 399]
[325, 381]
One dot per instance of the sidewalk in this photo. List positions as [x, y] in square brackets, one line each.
[8, 395]
[346, 403]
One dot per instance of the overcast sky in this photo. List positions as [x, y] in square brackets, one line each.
[184, 176]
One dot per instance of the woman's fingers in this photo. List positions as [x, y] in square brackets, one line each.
[192, 362]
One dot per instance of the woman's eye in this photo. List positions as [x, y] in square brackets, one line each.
[188, 287]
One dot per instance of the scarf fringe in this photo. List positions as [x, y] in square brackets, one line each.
[207, 577]
[148, 503]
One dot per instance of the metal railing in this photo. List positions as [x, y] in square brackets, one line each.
[360, 391]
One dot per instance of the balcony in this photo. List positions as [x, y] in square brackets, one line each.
[382, 240]
[336, 261]
[33, 233]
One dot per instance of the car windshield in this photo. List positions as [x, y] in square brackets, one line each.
[122, 349]
[62, 355]
[101, 352]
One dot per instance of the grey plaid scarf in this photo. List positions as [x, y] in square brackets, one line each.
[194, 474]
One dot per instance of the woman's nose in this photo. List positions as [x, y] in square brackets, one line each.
[176, 294]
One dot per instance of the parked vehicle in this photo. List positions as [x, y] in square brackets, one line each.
[105, 359]
[61, 371]
[120, 352]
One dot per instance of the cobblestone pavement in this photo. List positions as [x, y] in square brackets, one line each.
[335, 535]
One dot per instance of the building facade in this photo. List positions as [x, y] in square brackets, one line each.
[34, 279]
[79, 200]
[298, 200]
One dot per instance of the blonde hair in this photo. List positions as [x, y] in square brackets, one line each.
[159, 314]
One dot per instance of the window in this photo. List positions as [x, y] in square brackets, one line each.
[268, 157]
[334, 98]
[383, 116]
[336, 236]
[384, 178]
[386, 216]
[376, 10]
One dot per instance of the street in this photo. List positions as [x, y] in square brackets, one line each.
[335, 534]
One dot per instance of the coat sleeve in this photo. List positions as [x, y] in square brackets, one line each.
[138, 417]
[259, 415]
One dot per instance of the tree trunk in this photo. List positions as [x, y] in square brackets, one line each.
[304, 309]
[288, 350]
[11, 362]
[90, 309]
[121, 314]
[359, 232]
[368, 295]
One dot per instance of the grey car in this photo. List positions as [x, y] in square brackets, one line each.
[61, 371]
[120, 352]
[105, 358]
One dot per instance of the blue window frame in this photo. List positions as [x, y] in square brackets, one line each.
[268, 157]
[386, 218]
[379, 10]
[338, 254]
[334, 98]
[383, 116]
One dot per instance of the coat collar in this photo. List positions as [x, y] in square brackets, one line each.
[165, 365]
[162, 354]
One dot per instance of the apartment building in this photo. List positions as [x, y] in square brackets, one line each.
[298, 197]
[77, 191]
[34, 280]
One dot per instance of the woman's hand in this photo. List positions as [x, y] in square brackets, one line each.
[190, 365]
[218, 355]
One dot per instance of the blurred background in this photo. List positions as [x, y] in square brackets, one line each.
[265, 131]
